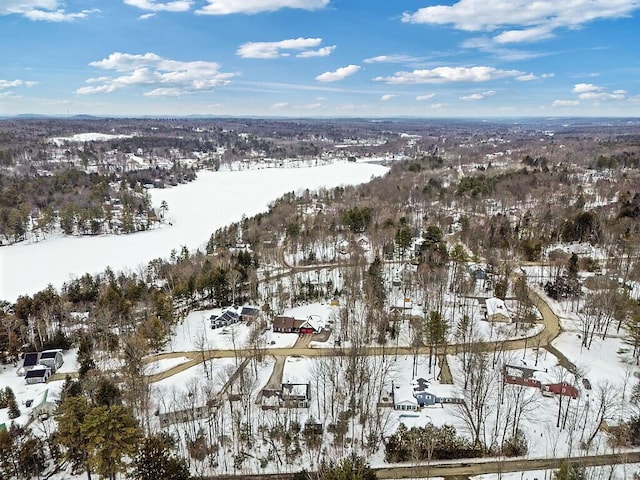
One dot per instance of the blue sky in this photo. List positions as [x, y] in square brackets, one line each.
[423, 58]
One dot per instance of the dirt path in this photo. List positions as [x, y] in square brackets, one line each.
[275, 380]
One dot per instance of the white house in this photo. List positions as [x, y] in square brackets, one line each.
[39, 374]
[403, 398]
[52, 359]
[497, 310]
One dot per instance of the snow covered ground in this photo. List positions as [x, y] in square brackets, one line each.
[86, 137]
[196, 210]
[25, 392]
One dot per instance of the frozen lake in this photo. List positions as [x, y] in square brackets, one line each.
[196, 210]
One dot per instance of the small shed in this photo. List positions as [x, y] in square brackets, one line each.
[39, 374]
[52, 359]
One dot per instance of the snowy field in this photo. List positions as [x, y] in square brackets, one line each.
[196, 210]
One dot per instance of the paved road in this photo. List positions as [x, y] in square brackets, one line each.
[461, 470]
[493, 465]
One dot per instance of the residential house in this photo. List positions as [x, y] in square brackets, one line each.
[38, 374]
[516, 375]
[427, 393]
[249, 314]
[52, 359]
[226, 318]
[313, 324]
[403, 398]
[364, 243]
[563, 388]
[496, 310]
[476, 272]
[30, 361]
[295, 395]
[284, 324]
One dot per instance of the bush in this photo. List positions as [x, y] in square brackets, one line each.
[515, 446]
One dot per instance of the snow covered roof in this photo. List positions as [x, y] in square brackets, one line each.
[316, 322]
[50, 354]
[496, 306]
[403, 395]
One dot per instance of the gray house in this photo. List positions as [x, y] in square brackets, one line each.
[52, 359]
[228, 317]
[29, 362]
[39, 374]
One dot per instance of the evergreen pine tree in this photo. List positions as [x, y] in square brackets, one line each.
[154, 461]
[12, 404]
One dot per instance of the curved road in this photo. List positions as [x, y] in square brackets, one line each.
[543, 339]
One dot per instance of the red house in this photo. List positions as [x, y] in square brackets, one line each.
[516, 380]
[563, 388]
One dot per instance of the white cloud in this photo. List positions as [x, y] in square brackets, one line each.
[487, 45]
[321, 52]
[57, 16]
[42, 10]
[615, 95]
[428, 96]
[565, 103]
[169, 77]
[589, 91]
[226, 7]
[449, 74]
[340, 74]
[531, 76]
[146, 16]
[585, 87]
[4, 84]
[279, 105]
[527, 35]
[526, 78]
[266, 50]
[478, 96]
[392, 59]
[538, 19]
[160, 6]
[437, 106]
[387, 97]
